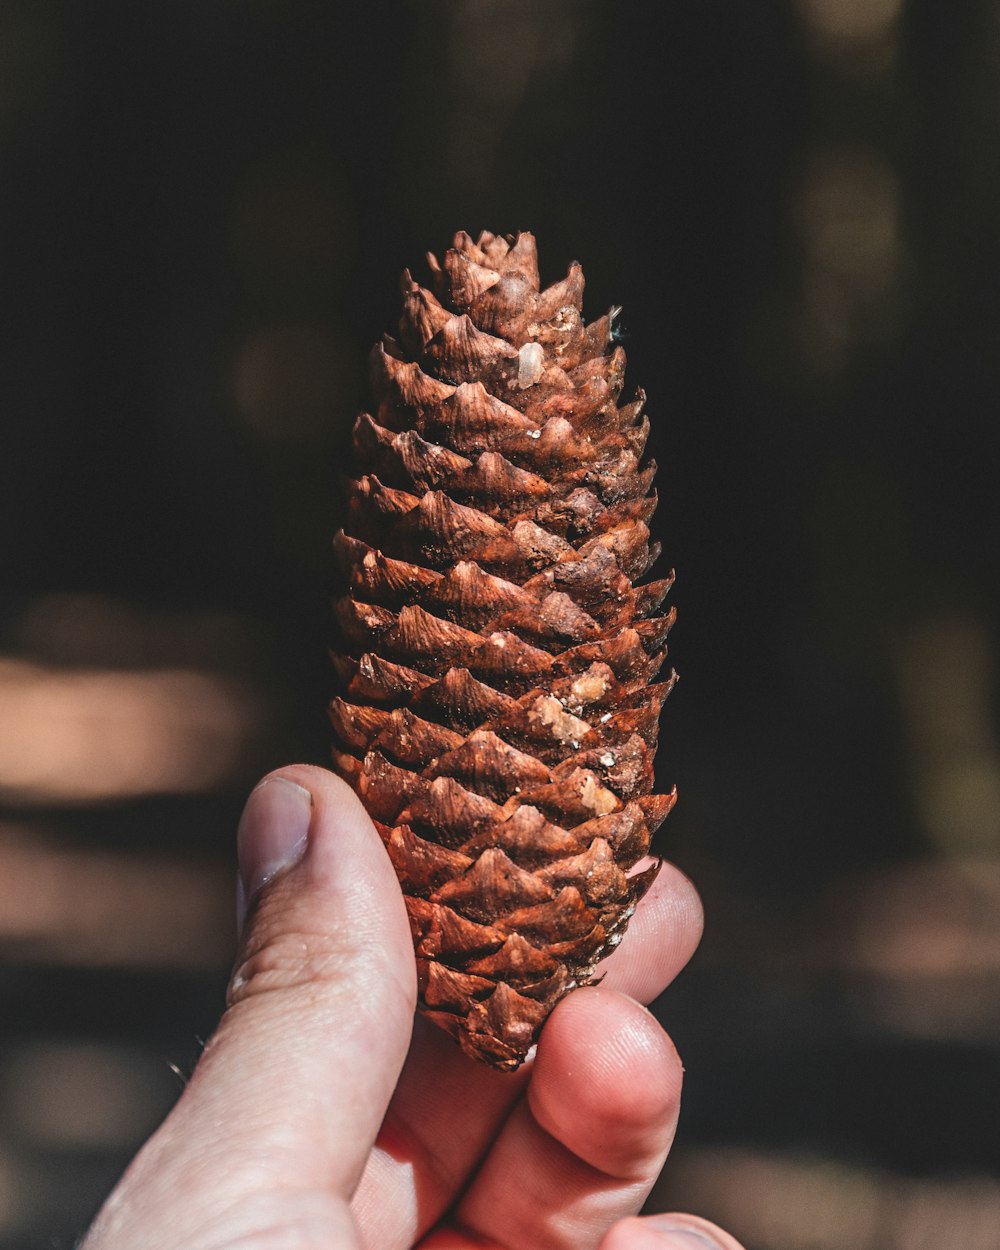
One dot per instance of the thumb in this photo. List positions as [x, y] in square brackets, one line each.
[320, 1005]
[291, 1089]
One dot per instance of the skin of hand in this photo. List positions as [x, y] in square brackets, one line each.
[320, 1117]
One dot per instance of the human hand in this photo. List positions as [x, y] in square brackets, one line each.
[307, 1126]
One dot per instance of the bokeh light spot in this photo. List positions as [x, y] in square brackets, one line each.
[93, 736]
[851, 21]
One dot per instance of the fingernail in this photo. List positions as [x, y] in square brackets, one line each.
[272, 833]
[674, 1236]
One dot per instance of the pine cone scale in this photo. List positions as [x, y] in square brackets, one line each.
[499, 707]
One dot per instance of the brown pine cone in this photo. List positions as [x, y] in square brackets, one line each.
[499, 715]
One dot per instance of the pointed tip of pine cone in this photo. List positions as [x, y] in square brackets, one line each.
[499, 642]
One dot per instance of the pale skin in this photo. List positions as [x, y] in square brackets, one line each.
[320, 1117]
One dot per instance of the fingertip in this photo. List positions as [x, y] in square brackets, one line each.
[344, 848]
[683, 914]
[607, 1082]
[316, 878]
[631, 1234]
[661, 938]
[325, 787]
[668, 1232]
[272, 833]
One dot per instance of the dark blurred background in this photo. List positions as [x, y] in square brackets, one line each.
[204, 207]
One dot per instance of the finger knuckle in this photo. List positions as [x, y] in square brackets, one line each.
[287, 963]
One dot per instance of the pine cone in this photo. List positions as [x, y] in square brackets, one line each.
[499, 716]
